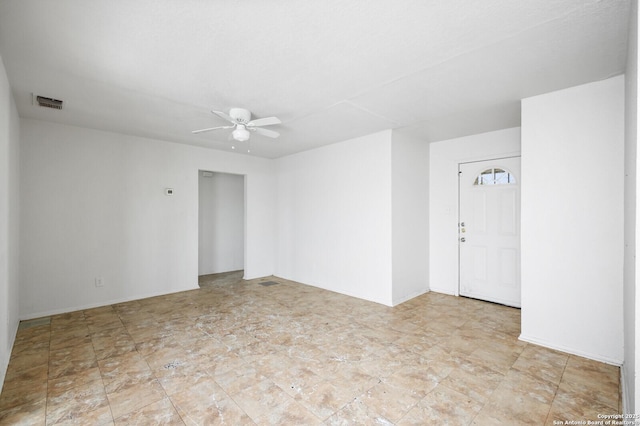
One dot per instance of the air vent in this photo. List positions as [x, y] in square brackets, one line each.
[49, 102]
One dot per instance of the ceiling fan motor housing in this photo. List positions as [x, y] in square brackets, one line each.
[241, 115]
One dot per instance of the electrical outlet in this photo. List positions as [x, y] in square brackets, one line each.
[99, 282]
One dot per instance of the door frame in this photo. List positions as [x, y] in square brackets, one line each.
[479, 160]
[244, 213]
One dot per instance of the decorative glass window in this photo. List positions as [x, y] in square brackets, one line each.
[495, 176]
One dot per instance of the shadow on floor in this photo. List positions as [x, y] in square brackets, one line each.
[222, 278]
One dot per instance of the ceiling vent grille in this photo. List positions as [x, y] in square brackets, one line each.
[49, 102]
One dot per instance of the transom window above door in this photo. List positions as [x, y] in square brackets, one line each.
[495, 176]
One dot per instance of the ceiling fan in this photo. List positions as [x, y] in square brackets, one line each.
[243, 125]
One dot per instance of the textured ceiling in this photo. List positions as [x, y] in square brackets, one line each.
[330, 70]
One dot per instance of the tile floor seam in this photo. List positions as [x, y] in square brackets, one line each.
[339, 409]
[564, 368]
[296, 402]
[228, 395]
[104, 387]
[176, 410]
[46, 403]
[236, 402]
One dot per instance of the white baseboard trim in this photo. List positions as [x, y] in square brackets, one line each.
[443, 291]
[397, 302]
[251, 277]
[99, 304]
[572, 351]
[12, 341]
[625, 390]
[334, 290]
[3, 372]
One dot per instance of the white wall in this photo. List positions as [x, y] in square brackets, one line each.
[410, 217]
[443, 197]
[629, 380]
[572, 219]
[93, 205]
[221, 223]
[9, 220]
[334, 217]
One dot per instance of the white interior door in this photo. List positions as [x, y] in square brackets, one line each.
[489, 230]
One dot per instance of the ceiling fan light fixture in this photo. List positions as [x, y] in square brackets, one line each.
[241, 133]
[240, 121]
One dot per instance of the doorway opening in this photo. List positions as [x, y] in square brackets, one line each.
[489, 230]
[221, 227]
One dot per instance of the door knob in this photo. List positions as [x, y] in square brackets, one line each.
[462, 240]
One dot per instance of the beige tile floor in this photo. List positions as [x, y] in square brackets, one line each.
[237, 352]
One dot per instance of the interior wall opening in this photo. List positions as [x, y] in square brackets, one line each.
[221, 227]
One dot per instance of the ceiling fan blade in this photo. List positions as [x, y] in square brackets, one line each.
[267, 121]
[264, 132]
[195, 132]
[225, 116]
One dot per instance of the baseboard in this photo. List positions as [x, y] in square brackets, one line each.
[625, 389]
[320, 286]
[397, 302]
[99, 304]
[12, 341]
[572, 351]
[443, 291]
[252, 277]
[3, 372]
